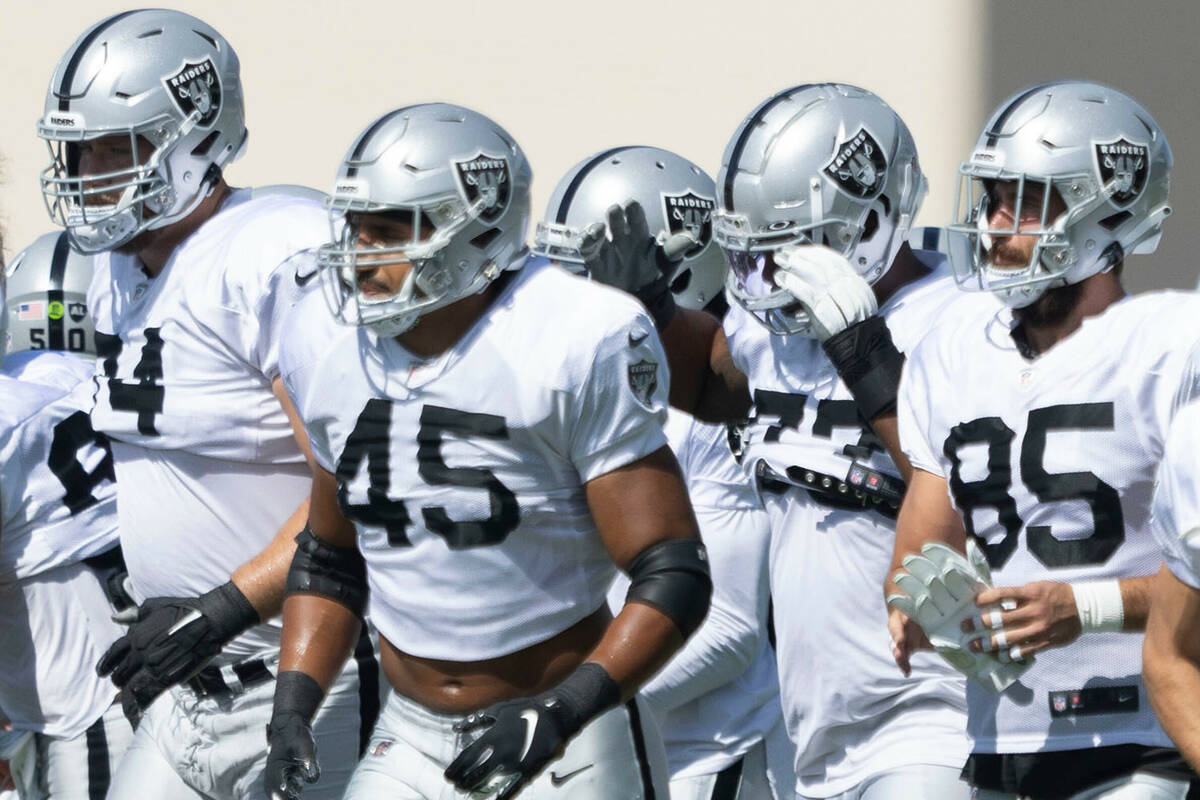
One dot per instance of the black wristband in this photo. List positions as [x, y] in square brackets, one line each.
[586, 692]
[297, 693]
[228, 610]
[869, 364]
[657, 298]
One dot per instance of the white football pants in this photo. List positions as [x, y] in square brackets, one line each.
[748, 778]
[924, 781]
[214, 747]
[617, 756]
[1135, 786]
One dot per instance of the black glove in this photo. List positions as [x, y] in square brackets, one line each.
[291, 751]
[509, 751]
[172, 639]
[631, 260]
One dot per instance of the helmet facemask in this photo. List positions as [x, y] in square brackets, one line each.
[106, 210]
[434, 278]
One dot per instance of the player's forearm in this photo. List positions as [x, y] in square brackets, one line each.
[1135, 599]
[318, 636]
[636, 645]
[925, 516]
[262, 578]
[887, 428]
[1171, 665]
[704, 381]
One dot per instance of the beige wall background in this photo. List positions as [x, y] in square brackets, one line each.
[565, 79]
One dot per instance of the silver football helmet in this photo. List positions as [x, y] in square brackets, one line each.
[46, 304]
[677, 196]
[1088, 148]
[461, 185]
[823, 163]
[156, 76]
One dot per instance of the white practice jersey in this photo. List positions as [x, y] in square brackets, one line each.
[1051, 464]
[719, 695]
[465, 473]
[848, 709]
[1175, 519]
[185, 370]
[57, 496]
[57, 507]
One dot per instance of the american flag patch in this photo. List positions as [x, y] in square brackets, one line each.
[31, 311]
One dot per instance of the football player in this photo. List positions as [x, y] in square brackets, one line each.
[192, 282]
[488, 440]
[717, 700]
[60, 567]
[1171, 659]
[1036, 429]
[817, 190]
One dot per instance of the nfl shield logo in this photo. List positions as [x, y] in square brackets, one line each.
[196, 89]
[858, 165]
[643, 380]
[692, 214]
[1123, 167]
[485, 178]
[1060, 703]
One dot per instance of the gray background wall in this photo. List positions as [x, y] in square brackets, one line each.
[1149, 49]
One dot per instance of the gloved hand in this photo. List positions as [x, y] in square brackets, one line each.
[941, 586]
[521, 736]
[632, 260]
[291, 751]
[826, 284]
[172, 639]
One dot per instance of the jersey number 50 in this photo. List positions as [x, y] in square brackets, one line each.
[992, 491]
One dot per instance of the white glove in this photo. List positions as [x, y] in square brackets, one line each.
[826, 284]
[941, 586]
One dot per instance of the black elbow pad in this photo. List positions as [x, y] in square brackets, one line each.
[339, 573]
[673, 577]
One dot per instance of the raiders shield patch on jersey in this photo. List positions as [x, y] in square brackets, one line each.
[485, 177]
[858, 165]
[1123, 167]
[692, 214]
[643, 380]
[196, 88]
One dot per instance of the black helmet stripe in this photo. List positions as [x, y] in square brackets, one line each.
[361, 146]
[64, 88]
[998, 125]
[577, 181]
[744, 137]
[56, 338]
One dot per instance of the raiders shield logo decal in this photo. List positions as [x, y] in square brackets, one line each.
[196, 89]
[485, 178]
[77, 311]
[643, 380]
[858, 165]
[692, 214]
[1123, 168]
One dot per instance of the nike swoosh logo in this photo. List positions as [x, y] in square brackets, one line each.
[303, 280]
[531, 720]
[184, 621]
[559, 780]
[634, 341]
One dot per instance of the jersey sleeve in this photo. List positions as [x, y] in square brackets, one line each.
[1175, 519]
[616, 417]
[914, 413]
[280, 295]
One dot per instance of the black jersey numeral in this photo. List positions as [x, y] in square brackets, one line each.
[144, 398]
[1108, 522]
[70, 436]
[370, 440]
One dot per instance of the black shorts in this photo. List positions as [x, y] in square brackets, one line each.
[1060, 774]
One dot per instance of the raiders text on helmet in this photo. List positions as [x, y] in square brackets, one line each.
[1095, 148]
[169, 83]
[826, 163]
[46, 304]
[676, 195]
[461, 183]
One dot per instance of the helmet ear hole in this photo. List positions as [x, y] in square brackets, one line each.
[681, 281]
[870, 226]
[484, 239]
